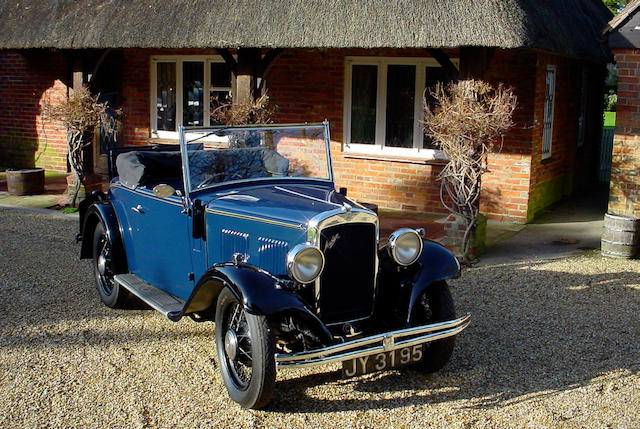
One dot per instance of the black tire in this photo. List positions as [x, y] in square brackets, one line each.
[111, 294]
[435, 305]
[246, 353]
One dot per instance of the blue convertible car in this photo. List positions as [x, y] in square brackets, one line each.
[243, 226]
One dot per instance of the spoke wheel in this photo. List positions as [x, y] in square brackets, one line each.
[435, 305]
[110, 292]
[246, 352]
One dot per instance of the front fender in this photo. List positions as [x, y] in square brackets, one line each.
[436, 263]
[259, 292]
[103, 211]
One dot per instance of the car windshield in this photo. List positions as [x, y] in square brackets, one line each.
[221, 155]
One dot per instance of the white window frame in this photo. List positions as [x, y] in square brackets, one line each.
[379, 148]
[179, 60]
[548, 110]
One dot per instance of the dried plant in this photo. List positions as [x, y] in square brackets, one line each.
[260, 111]
[470, 117]
[80, 114]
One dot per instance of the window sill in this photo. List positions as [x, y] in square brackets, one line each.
[393, 158]
[547, 160]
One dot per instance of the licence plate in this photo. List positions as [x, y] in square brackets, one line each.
[383, 360]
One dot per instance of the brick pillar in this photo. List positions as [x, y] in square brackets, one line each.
[454, 229]
[624, 195]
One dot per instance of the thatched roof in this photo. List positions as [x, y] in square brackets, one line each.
[567, 26]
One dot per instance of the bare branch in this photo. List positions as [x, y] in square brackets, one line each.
[80, 114]
[469, 117]
[260, 111]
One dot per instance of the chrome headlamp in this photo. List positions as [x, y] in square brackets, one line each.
[405, 246]
[305, 263]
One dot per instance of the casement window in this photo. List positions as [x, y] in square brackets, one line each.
[549, 98]
[182, 90]
[383, 113]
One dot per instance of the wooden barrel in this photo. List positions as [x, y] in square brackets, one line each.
[620, 237]
[28, 181]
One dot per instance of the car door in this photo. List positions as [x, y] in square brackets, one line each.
[161, 242]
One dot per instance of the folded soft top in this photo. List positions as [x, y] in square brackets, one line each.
[144, 168]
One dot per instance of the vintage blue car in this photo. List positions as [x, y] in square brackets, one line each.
[243, 226]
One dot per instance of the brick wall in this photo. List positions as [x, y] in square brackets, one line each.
[624, 195]
[308, 85]
[506, 188]
[552, 179]
[27, 80]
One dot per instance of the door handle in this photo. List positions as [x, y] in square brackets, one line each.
[137, 209]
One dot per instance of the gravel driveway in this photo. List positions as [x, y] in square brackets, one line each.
[552, 344]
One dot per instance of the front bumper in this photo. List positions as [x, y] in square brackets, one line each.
[384, 342]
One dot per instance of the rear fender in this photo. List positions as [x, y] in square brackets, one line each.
[83, 207]
[258, 291]
[103, 211]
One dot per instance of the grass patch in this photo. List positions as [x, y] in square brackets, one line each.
[609, 119]
[69, 210]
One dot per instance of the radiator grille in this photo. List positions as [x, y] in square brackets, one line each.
[346, 286]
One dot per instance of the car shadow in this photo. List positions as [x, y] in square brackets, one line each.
[535, 331]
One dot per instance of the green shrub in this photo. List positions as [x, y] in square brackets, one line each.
[610, 101]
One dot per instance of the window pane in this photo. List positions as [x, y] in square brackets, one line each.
[401, 87]
[548, 112]
[166, 96]
[364, 90]
[192, 93]
[433, 76]
[220, 75]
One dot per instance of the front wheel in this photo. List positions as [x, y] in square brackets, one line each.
[435, 305]
[246, 352]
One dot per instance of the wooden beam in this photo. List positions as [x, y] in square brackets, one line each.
[246, 72]
[76, 73]
[265, 65]
[228, 58]
[449, 68]
[266, 61]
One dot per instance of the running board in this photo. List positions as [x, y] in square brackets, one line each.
[157, 299]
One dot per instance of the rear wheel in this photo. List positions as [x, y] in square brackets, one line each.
[110, 292]
[246, 352]
[435, 305]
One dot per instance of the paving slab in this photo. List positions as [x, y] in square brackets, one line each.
[53, 196]
[565, 229]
